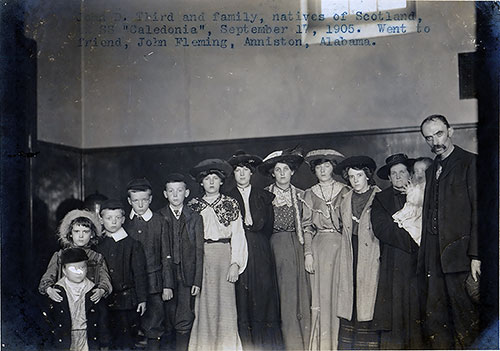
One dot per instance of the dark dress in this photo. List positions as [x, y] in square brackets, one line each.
[397, 309]
[257, 298]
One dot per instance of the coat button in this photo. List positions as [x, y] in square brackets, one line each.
[62, 311]
[92, 310]
[95, 324]
[139, 231]
[95, 338]
[60, 325]
[60, 340]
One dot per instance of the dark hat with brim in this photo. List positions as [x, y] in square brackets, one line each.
[356, 162]
[139, 184]
[241, 157]
[211, 164]
[383, 172]
[292, 157]
[326, 154]
[73, 255]
[112, 204]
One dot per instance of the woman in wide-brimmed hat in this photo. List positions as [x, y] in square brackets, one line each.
[359, 257]
[225, 257]
[257, 294]
[322, 235]
[287, 245]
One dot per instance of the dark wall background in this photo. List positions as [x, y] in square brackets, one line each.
[108, 170]
[57, 189]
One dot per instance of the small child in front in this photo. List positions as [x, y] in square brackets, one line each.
[75, 318]
[150, 229]
[78, 229]
[127, 266]
[410, 216]
[187, 240]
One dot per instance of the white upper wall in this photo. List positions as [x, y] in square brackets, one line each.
[161, 95]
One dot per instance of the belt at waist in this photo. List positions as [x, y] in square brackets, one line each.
[325, 231]
[223, 241]
[276, 231]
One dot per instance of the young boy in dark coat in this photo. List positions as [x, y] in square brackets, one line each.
[127, 267]
[186, 232]
[150, 230]
[75, 320]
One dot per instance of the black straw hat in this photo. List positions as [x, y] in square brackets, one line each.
[383, 172]
[241, 157]
[292, 157]
[211, 164]
[356, 162]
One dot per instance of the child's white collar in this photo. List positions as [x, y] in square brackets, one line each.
[146, 216]
[120, 234]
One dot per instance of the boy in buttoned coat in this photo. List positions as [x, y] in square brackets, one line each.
[127, 267]
[186, 231]
[76, 321]
[151, 231]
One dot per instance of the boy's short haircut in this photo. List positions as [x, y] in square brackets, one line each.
[112, 204]
[175, 178]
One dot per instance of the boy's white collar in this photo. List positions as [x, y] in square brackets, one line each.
[120, 234]
[146, 216]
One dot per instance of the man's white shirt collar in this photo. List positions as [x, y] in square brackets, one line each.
[146, 216]
[120, 234]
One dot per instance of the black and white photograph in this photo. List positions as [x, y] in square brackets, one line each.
[282, 175]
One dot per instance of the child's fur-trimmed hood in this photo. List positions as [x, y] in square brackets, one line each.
[64, 227]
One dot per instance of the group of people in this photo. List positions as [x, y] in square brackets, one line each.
[337, 266]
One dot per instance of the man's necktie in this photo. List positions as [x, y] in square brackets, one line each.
[439, 169]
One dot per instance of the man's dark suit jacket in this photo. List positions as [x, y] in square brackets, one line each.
[457, 212]
[191, 243]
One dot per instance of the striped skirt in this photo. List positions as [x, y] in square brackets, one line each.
[216, 322]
